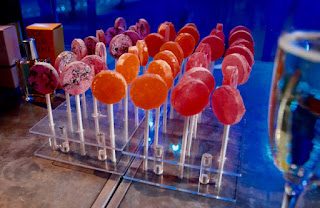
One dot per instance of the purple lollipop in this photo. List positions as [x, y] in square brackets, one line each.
[111, 32]
[133, 35]
[96, 62]
[120, 22]
[143, 28]
[119, 45]
[91, 42]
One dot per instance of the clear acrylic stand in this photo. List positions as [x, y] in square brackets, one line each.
[97, 145]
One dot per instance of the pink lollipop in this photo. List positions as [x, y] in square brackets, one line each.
[240, 34]
[241, 63]
[197, 59]
[189, 96]
[96, 62]
[91, 42]
[133, 36]
[230, 76]
[217, 46]
[203, 75]
[79, 48]
[101, 37]
[101, 51]
[120, 22]
[243, 51]
[43, 78]
[119, 45]
[143, 28]
[76, 78]
[206, 49]
[111, 32]
[227, 105]
[63, 59]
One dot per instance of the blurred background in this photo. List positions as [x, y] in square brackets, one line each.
[81, 18]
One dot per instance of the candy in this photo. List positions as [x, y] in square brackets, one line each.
[163, 69]
[189, 97]
[101, 37]
[148, 91]
[218, 33]
[240, 34]
[133, 28]
[43, 78]
[171, 59]
[230, 76]
[154, 41]
[143, 52]
[197, 59]
[241, 63]
[217, 46]
[191, 24]
[128, 66]
[164, 31]
[243, 51]
[219, 26]
[91, 42]
[95, 62]
[192, 31]
[227, 105]
[76, 78]
[120, 22]
[187, 43]
[133, 36]
[79, 48]
[206, 49]
[134, 50]
[203, 75]
[101, 51]
[109, 87]
[143, 28]
[63, 59]
[119, 45]
[112, 32]
[172, 31]
[245, 43]
[239, 27]
[175, 49]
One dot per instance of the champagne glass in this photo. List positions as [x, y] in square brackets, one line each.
[294, 111]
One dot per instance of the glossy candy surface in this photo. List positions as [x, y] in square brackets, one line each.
[154, 41]
[95, 62]
[217, 46]
[119, 45]
[91, 42]
[241, 63]
[175, 48]
[128, 66]
[187, 43]
[162, 69]
[63, 59]
[197, 59]
[79, 48]
[203, 75]
[143, 52]
[101, 51]
[171, 59]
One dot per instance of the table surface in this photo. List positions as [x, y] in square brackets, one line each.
[28, 181]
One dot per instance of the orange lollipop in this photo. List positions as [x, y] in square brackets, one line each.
[171, 59]
[128, 66]
[154, 42]
[192, 31]
[187, 43]
[143, 52]
[148, 91]
[175, 48]
[134, 50]
[109, 87]
[164, 31]
[162, 69]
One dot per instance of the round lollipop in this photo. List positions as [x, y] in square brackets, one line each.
[154, 41]
[241, 63]
[218, 33]
[239, 27]
[101, 51]
[230, 76]
[134, 50]
[143, 28]
[101, 36]
[171, 59]
[79, 48]
[133, 28]
[242, 51]
[120, 22]
[91, 42]
[143, 53]
[112, 32]
[197, 59]
[240, 34]
[134, 36]
[175, 49]
[191, 24]
[203, 75]
[217, 46]
[206, 49]
[164, 31]
[172, 31]
[244, 43]
[95, 62]
[45, 79]
[192, 31]
[119, 45]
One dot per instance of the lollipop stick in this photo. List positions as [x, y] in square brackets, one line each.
[136, 116]
[144, 69]
[199, 117]
[84, 105]
[95, 115]
[69, 113]
[146, 141]
[126, 117]
[80, 127]
[195, 126]
[51, 124]
[156, 131]
[192, 123]
[164, 129]
[211, 66]
[171, 106]
[223, 151]
[112, 137]
[184, 145]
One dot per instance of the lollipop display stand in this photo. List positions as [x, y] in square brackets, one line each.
[201, 168]
[95, 150]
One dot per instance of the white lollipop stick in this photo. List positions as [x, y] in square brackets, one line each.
[120, 103]
[164, 122]
[95, 115]
[69, 113]
[84, 105]
[171, 106]
[80, 126]
[112, 136]
[51, 124]
[184, 146]
[192, 123]
[126, 117]
[156, 130]
[211, 66]
[144, 69]
[199, 117]
[146, 141]
[223, 151]
[195, 126]
[136, 116]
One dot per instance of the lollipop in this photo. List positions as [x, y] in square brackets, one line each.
[95, 62]
[219, 26]
[101, 51]
[197, 59]
[201, 74]
[171, 59]
[240, 34]
[175, 49]
[120, 22]
[101, 37]
[218, 33]
[133, 36]
[143, 28]
[241, 63]
[192, 31]
[242, 51]
[217, 46]
[164, 31]
[239, 27]
[191, 24]
[104, 83]
[154, 41]
[79, 48]
[230, 76]
[143, 52]
[206, 49]
[112, 32]
[172, 35]
[133, 28]
[44, 79]
[134, 50]
[244, 43]
[187, 43]
[91, 42]
[119, 45]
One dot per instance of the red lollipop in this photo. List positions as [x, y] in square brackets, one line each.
[243, 51]
[203, 75]
[227, 105]
[217, 46]
[230, 76]
[154, 41]
[239, 27]
[197, 59]
[190, 97]
[245, 43]
[206, 49]
[241, 63]
[241, 34]
[218, 33]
